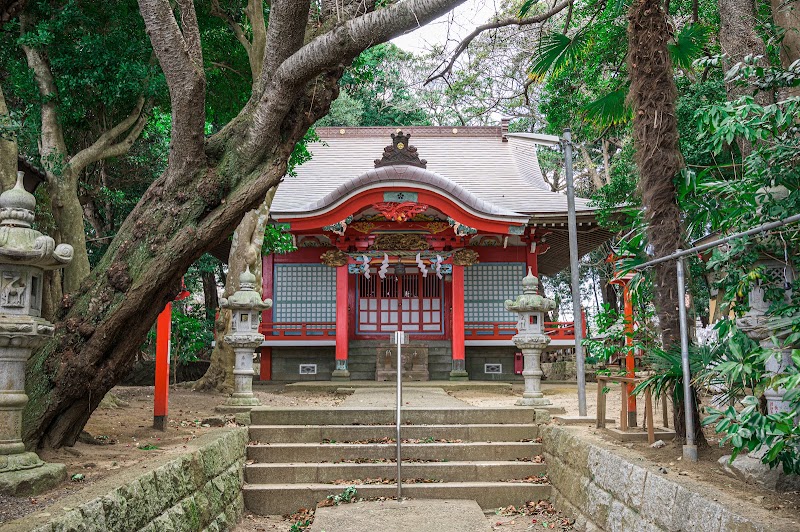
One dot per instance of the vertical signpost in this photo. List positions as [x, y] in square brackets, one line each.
[399, 338]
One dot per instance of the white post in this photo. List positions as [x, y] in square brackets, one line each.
[575, 274]
[399, 338]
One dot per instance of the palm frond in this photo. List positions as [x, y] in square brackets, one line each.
[609, 110]
[689, 44]
[558, 51]
[526, 7]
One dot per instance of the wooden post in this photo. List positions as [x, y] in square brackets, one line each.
[623, 416]
[664, 416]
[601, 405]
[265, 373]
[161, 402]
[342, 327]
[459, 369]
[648, 416]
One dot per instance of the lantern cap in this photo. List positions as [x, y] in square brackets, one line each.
[246, 297]
[17, 205]
[530, 283]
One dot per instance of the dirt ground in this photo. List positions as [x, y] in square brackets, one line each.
[120, 435]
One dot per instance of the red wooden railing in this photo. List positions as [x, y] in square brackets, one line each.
[484, 330]
[287, 330]
[556, 330]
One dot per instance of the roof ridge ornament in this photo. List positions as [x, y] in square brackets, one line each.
[400, 152]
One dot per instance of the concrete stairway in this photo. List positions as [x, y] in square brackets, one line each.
[299, 456]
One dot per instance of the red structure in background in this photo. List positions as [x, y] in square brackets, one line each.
[630, 361]
[163, 334]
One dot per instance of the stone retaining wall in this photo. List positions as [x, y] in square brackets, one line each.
[200, 489]
[603, 490]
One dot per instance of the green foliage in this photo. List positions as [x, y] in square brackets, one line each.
[348, 495]
[277, 241]
[558, 52]
[609, 110]
[689, 44]
[374, 92]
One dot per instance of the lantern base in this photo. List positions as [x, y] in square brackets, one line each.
[25, 474]
[533, 401]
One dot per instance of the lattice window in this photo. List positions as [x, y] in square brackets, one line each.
[487, 286]
[305, 293]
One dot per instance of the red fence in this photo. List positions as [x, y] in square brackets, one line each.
[298, 330]
[556, 330]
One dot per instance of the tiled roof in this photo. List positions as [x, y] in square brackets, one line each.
[504, 174]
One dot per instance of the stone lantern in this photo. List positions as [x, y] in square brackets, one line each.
[246, 306]
[756, 325]
[530, 337]
[24, 256]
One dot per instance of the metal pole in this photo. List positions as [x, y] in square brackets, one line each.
[690, 449]
[398, 336]
[697, 249]
[576, 280]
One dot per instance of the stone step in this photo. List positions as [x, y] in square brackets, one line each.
[450, 471]
[316, 452]
[386, 416]
[271, 499]
[349, 433]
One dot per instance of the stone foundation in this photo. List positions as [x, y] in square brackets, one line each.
[605, 491]
[286, 363]
[199, 490]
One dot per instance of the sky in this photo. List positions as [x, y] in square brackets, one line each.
[452, 27]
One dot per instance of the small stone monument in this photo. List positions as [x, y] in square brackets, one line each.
[24, 256]
[246, 307]
[530, 338]
[415, 363]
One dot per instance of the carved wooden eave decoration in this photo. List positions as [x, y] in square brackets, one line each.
[400, 152]
[400, 241]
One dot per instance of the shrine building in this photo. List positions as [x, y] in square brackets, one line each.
[429, 235]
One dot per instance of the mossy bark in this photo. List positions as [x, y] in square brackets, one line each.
[8, 152]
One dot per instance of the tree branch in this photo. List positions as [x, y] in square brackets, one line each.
[333, 50]
[285, 33]
[511, 21]
[234, 26]
[181, 60]
[103, 147]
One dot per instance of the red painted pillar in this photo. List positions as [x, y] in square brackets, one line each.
[161, 402]
[266, 364]
[532, 262]
[340, 373]
[459, 371]
[629, 360]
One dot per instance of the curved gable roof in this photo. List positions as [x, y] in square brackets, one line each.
[403, 176]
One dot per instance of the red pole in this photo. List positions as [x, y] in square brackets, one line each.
[459, 356]
[342, 327]
[161, 403]
[629, 360]
[266, 364]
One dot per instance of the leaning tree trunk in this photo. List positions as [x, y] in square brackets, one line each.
[658, 157]
[208, 186]
[245, 252]
[210, 296]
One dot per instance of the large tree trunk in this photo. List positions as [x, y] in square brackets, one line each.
[245, 253]
[738, 39]
[658, 157]
[8, 152]
[210, 295]
[786, 14]
[200, 199]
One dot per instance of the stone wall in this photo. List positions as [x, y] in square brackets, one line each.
[198, 490]
[286, 363]
[478, 356]
[603, 490]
